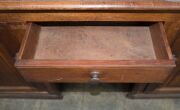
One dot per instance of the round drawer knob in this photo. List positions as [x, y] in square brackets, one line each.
[95, 76]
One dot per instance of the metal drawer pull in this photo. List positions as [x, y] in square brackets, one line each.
[95, 76]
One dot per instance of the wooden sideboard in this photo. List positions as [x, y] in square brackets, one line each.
[77, 41]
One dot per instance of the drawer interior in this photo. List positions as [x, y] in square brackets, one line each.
[95, 41]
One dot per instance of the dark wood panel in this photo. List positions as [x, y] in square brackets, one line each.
[172, 31]
[176, 44]
[176, 81]
[9, 45]
[17, 30]
[8, 39]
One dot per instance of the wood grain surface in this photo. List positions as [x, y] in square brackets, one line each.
[89, 5]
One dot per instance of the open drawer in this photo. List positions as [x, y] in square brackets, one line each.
[104, 52]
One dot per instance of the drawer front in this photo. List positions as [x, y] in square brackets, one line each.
[81, 75]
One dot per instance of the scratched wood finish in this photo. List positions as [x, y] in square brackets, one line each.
[54, 70]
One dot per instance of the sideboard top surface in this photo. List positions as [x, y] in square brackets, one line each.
[89, 4]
